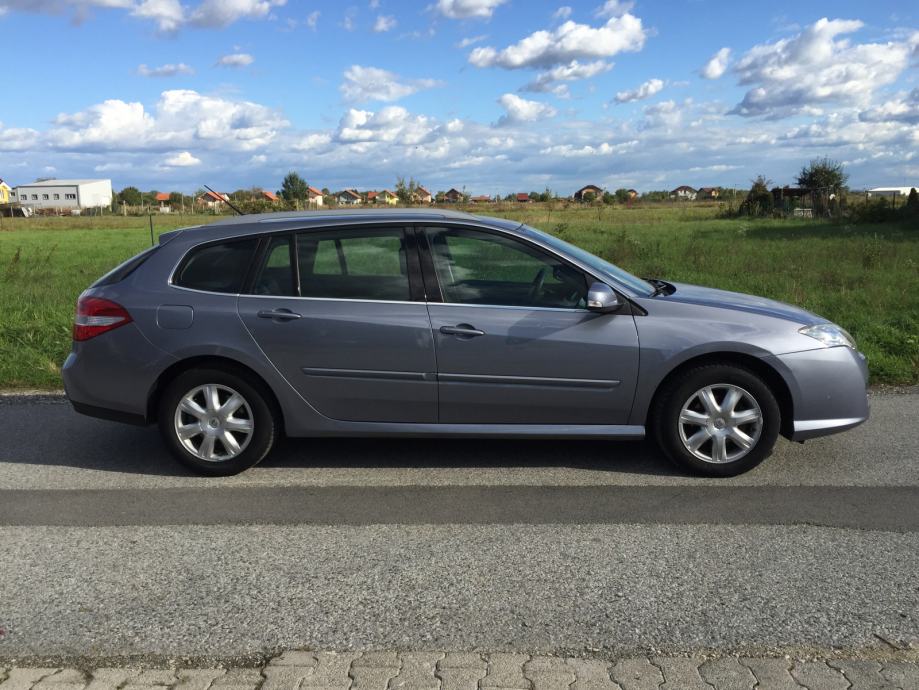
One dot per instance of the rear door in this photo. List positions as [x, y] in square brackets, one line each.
[340, 313]
[515, 343]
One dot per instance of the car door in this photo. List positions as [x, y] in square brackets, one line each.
[340, 313]
[515, 343]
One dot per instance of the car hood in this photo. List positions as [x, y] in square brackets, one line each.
[738, 301]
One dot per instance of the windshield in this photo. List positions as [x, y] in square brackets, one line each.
[625, 278]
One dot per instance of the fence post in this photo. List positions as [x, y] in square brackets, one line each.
[151, 229]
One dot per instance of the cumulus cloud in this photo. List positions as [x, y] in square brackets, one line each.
[663, 115]
[392, 124]
[790, 75]
[646, 90]
[182, 160]
[519, 109]
[384, 23]
[234, 60]
[468, 9]
[614, 8]
[169, 15]
[170, 70]
[903, 109]
[717, 64]
[570, 41]
[548, 80]
[181, 118]
[364, 84]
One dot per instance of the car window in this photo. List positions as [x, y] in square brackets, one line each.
[353, 264]
[475, 267]
[218, 267]
[277, 275]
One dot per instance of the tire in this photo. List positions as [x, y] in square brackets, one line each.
[213, 429]
[700, 434]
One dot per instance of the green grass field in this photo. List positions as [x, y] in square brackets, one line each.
[864, 277]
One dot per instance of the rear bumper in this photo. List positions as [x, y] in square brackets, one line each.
[829, 388]
[111, 376]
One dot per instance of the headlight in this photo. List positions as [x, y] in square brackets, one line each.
[829, 334]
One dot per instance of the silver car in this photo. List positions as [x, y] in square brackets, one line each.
[443, 324]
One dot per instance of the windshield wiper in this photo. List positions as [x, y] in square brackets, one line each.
[661, 287]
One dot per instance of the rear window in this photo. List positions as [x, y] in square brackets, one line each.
[217, 267]
[116, 275]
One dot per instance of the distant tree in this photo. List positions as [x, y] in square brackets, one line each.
[510, 197]
[622, 195]
[608, 198]
[759, 201]
[823, 174]
[325, 191]
[912, 203]
[130, 196]
[294, 188]
[406, 191]
[546, 195]
[588, 197]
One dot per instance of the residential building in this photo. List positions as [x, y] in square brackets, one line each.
[65, 194]
[523, 198]
[213, 200]
[269, 196]
[481, 199]
[683, 192]
[385, 197]
[707, 193]
[349, 197]
[314, 196]
[633, 193]
[6, 193]
[454, 196]
[591, 192]
[423, 196]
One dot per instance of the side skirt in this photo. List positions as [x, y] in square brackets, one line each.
[556, 431]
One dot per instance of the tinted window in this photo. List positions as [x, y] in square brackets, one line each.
[484, 268]
[353, 264]
[277, 275]
[218, 267]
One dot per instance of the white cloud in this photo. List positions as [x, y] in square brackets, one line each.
[570, 41]
[519, 109]
[813, 68]
[614, 8]
[169, 15]
[471, 40]
[547, 81]
[717, 64]
[646, 90]
[664, 115]
[170, 70]
[235, 60]
[182, 160]
[902, 109]
[467, 9]
[562, 12]
[220, 13]
[312, 19]
[364, 84]
[181, 118]
[384, 23]
[392, 124]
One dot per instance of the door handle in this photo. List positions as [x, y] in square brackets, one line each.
[278, 314]
[463, 330]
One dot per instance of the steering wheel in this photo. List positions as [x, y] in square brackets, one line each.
[538, 283]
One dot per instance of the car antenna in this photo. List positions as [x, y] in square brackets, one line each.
[226, 198]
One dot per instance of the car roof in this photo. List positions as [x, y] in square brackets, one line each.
[303, 220]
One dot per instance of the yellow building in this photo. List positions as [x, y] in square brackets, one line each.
[4, 192]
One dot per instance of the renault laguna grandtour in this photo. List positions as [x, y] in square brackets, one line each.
[441, 324]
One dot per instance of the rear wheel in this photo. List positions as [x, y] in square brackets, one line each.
[216, 422]
[718, 420]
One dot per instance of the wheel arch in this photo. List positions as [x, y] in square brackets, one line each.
[772, 378]
[215, 362]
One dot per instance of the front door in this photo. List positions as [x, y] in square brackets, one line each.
[515, 343]
[334, 312]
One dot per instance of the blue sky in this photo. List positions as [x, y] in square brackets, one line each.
[490, 95]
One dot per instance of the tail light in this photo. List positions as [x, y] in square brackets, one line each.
[95, 316]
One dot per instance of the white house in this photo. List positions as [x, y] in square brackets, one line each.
[892, 191]
[349, 197]
[65, 194]
[683, 192]
[315, 196]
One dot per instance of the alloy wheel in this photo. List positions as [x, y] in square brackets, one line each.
[213, 422]
[720, 423]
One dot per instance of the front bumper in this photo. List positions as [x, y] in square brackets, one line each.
[829, 389]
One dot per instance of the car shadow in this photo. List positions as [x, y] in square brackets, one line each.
[53, 435]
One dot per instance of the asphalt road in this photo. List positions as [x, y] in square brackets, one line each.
[109, 548]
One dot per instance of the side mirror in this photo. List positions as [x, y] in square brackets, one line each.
[602, 298]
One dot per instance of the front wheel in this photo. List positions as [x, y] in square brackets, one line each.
[718, 420]
[215, 422]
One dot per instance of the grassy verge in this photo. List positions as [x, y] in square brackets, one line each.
[863, 277]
